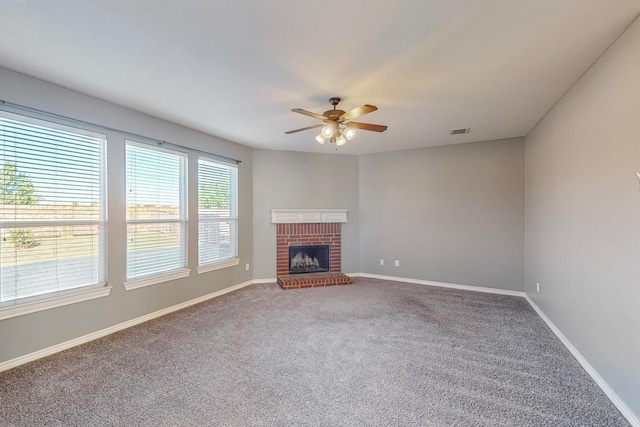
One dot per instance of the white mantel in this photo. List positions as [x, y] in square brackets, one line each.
[293, 216]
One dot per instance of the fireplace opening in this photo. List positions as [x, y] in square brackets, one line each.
[308, 259]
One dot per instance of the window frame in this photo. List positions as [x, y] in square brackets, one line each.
[136, 282]
[34, 303]
[234, 259]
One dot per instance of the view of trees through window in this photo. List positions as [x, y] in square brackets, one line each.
[17, 189]
[52, 190]
[217, 212]
[53, 209]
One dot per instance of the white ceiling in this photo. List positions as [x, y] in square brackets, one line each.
[235, 69]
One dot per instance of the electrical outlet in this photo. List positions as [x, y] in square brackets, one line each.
[381, 262]
[246, 266]
[397, 263]
[537, 287]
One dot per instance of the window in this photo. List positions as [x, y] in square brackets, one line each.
[52, 209]
[156, 214]
[217, 214]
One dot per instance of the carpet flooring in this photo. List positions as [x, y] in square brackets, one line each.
[372, 353]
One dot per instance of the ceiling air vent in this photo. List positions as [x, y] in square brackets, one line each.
[459, 131]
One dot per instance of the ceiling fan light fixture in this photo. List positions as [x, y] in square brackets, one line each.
[337, 126]
[349, 133]
[327, 131]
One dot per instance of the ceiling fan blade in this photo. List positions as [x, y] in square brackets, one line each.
[366, 126]
[301, 129]
[357, 112]
[309, 113]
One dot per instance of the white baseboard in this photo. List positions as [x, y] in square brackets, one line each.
[441, 284]
[256, 281]
[104, 332]
[632, 417]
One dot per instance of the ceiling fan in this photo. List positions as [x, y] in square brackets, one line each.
[337, 126]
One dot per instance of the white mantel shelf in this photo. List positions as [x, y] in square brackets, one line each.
[294, 216]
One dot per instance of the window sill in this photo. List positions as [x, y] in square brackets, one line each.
[154, 280]
[217, 266]
[44, 302]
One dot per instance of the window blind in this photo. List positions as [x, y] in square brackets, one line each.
[217, 211]
[52, 207]
[156, 210]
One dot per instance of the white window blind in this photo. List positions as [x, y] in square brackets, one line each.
[217, 212]
[52, 208]
[156, 210]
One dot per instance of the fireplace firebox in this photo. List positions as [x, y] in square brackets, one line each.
[309, 259]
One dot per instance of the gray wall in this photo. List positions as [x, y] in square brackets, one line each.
[25, 334]
[287, 179]
[583, 215]
[449, 214]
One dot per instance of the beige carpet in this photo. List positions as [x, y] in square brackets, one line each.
[372, 353]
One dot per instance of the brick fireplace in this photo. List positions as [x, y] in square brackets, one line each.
[296, 228]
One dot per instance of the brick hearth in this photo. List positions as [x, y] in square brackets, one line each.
[313, 280]
[310, 234]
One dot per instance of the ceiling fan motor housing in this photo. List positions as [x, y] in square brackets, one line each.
[333, 114]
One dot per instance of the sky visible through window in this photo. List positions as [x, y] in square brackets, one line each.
[158, 184]
[53, 161]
